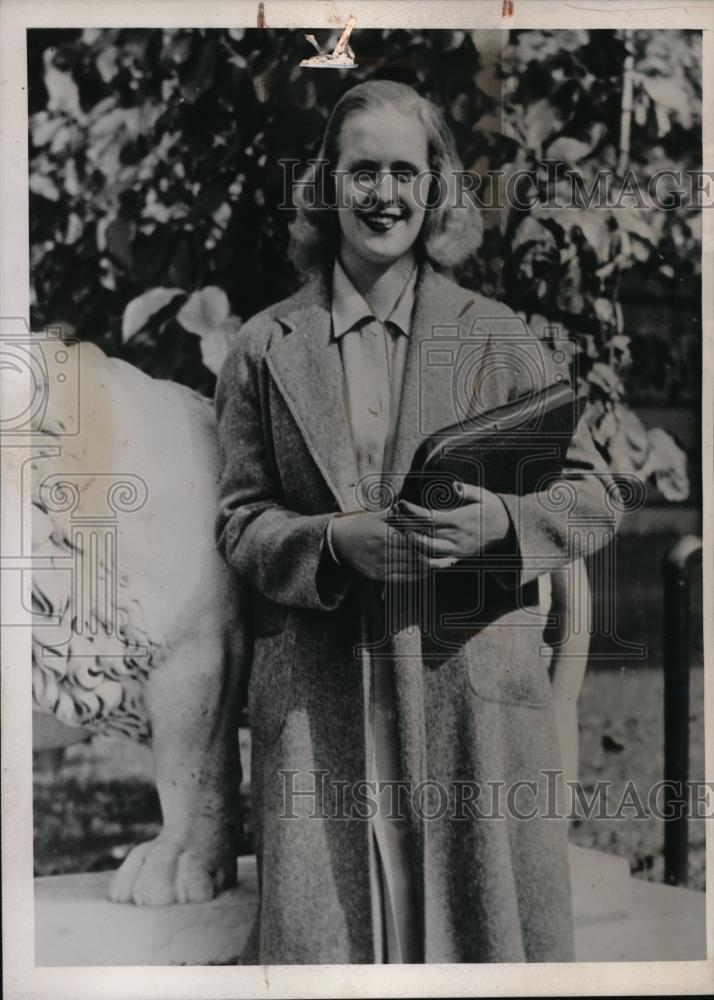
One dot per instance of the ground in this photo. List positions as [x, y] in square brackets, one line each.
[624, 709]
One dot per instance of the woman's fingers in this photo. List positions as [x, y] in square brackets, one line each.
[424, 545]
[408, 517]
[444, 527]
[472, 494]
[443, 563]
[431, 546]
[402, 556]
[418, 554]
[403, 512]
[405, 575]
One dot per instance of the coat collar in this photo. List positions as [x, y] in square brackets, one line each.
[306, 367]
[349, 307]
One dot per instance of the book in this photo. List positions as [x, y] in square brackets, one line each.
[518, 447]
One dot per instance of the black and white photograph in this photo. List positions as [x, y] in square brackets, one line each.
[357, 493]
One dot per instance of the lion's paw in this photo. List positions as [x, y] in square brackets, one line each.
[159, 873]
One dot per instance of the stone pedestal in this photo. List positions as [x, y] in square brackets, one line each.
[76, 924]
[617, 918]
[663, 924]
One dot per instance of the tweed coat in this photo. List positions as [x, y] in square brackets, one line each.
[473, 699]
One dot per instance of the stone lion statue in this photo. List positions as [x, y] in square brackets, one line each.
[136, 626]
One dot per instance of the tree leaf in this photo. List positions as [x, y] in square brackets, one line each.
[119, 235]
[531, 230]
[634, 221]
[62, 91]
[569, 150]
[101, 108]
[540, 123]
[44, 186]
[604, 430]
[668, 94]
[216, 343]
[106, 63]
[61, 139]
[604, 310]
[140, 310]
[629, 445]
[204, 311]
[668, 465]
[43, 127]
[641, 107]
[178, 48]
[201, 74]
[115, 120]
[592, 222]
[663, 123]
[602, 376]
[75, 228]
[640, 250]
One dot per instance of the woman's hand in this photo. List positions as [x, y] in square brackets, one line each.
[378, 551]
[481, 522]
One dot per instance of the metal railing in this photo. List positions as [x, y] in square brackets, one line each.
[677, 577]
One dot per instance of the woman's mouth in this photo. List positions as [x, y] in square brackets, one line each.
[382, 220]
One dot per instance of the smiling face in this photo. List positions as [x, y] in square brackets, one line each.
[381, 154]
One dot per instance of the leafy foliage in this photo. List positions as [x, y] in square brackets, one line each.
[567, 103]
[156, 185]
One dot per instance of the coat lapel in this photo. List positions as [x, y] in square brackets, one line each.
[442, 309]
[307, 369]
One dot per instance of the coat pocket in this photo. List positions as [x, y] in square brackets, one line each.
[270, 682]
[510, 670]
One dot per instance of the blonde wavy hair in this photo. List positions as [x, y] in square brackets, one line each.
[452, 230]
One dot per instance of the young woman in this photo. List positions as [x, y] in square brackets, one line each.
[400, 772]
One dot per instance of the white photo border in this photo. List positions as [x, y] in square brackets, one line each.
[24, 981]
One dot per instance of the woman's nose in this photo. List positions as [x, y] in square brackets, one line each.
[384, 186]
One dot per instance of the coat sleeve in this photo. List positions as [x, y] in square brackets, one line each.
[578, 513]
[281, 552]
